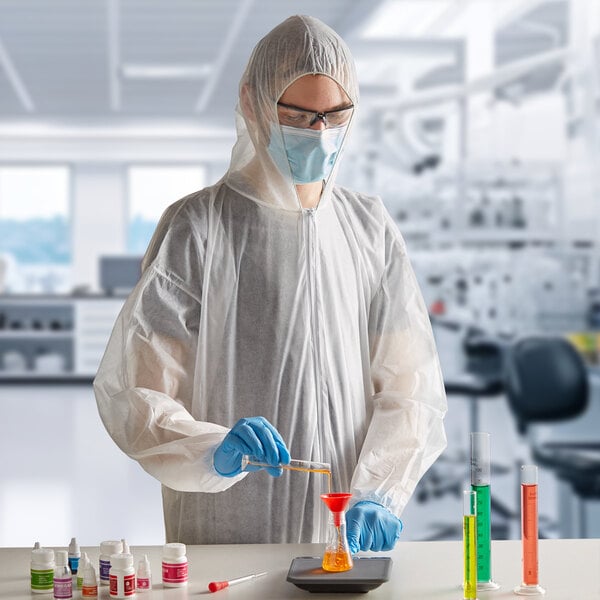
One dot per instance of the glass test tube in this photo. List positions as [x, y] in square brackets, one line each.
[529, 532]
[294, 465]
[470, 545]
[480, 483]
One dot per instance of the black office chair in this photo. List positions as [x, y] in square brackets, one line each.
[546, 381]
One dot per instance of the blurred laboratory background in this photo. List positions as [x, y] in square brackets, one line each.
[479, 126]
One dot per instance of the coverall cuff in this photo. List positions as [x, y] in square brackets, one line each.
[374, 497]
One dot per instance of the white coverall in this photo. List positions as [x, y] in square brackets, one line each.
[250, 305]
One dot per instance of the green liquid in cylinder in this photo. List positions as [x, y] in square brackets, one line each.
[484, 546]
[470, 557]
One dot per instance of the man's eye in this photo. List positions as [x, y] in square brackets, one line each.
[294, 117]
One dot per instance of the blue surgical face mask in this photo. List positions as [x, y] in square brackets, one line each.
[309, 153]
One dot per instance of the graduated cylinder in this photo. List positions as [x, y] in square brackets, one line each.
[480, 483]
[469, 545]
[529, 532]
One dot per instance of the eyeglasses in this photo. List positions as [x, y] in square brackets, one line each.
[294, 116]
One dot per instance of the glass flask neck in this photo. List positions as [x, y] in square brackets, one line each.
[337, 518]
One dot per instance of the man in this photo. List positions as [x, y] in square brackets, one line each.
[278, 314]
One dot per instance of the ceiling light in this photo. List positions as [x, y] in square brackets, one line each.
[165, 71]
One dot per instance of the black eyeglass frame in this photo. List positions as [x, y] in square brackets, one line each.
[317, 115]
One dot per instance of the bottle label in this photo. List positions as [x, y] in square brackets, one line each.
[143, 583]
[126, 587]
[89, 591]
[177, 573]
[129, 584]
[41, 579]
[104, 569]
[74, 564]
[63, 588]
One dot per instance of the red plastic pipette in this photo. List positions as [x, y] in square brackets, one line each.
[215, 586]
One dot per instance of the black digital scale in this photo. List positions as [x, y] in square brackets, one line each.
[366, 574]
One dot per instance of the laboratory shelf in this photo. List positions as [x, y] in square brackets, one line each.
[54, 339]
[35, 334]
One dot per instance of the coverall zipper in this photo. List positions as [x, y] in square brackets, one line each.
[311, 255]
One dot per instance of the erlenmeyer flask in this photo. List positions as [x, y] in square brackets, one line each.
[337, 555]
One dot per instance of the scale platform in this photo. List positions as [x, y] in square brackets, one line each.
[366, 574]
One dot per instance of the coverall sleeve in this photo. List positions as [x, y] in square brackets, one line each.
[408, 404]
[145, 384]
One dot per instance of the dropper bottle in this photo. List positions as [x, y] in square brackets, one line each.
[85, 561]
[89, 588]
[144, 575]
[63, 580]
[74, 555]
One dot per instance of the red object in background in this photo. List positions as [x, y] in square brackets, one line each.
[438, 308]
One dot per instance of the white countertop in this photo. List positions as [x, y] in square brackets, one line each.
[569, 570]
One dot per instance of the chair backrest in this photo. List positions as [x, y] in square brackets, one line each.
[545, 380]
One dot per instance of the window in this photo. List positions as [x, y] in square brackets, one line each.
[151, 190]
[35, 236]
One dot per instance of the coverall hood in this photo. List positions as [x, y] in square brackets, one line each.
[297, 47]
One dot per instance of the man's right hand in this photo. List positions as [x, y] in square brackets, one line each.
[257, 438]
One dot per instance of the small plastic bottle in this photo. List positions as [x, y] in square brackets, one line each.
[89, 588]
[74, 556]
[63, 579]
[144, 575]
[174, 565]
[85, 561]
[42, 570]
[107, 549]
[122, 576]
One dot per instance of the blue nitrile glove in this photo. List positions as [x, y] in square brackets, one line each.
[370, 526]
[256, 437]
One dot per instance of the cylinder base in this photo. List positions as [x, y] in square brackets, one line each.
[529, 590]
[485, 586]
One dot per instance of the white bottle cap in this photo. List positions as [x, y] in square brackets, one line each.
[125, 546]
[529, 475]
[42, 555]
[89, 575]
[121, 561]
[144, 565]
[62, 558]
[74, 547]
[36, 546]
[174, 550]
[111, 547]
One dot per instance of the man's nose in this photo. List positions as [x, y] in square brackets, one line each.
[319, 124]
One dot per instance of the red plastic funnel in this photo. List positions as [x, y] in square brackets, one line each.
[336, 502]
